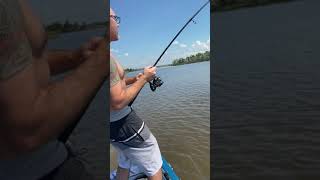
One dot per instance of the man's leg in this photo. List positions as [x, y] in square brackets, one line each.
[147, 157]
[141, 150]
[157, 176]
[122, 173]
[123, 164]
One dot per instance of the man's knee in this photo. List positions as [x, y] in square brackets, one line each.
[156, 176]
[122, 173]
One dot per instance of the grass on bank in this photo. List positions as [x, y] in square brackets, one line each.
[227, 5]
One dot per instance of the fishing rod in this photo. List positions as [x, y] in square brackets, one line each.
[157, 82]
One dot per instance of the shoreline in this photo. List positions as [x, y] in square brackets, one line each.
[166, 65]
[217, 7]
[194, 58]
[52, 34]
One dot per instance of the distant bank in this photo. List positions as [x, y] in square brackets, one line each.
[225, 5]
[199, 57]
[56, 28]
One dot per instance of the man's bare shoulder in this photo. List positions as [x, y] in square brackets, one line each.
[15, 50]
[114, 73]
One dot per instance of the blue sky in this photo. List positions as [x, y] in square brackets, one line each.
[147, 27]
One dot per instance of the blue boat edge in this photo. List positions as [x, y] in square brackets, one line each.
[168, 169]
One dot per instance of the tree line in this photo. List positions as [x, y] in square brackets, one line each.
[217, 5]
[67, 26]
[199, 57]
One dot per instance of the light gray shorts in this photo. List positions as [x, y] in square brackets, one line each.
[142, 151]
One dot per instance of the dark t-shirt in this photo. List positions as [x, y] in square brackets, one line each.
[15, 55]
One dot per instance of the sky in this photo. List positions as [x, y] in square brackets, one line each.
[73, 10]
[147, 27]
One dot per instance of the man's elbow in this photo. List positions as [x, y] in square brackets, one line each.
[120, 102]
[118, 106]
[24, 135]
[23, 143]
[30, 144]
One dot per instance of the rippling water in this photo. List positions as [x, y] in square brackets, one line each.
[267, 92]
[178, 114]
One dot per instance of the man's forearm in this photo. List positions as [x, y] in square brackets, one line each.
[61, 61]
[61, 102]
[130, 80]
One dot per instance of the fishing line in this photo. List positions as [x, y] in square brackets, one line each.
[157, 82]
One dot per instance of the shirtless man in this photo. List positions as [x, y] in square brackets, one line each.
[33, 110]
[129, 134]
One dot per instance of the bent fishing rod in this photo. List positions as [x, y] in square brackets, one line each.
[157, 82]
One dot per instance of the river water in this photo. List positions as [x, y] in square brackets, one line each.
[267, 92]
[178, 114]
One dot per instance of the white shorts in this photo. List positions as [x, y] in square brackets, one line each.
[146, 157]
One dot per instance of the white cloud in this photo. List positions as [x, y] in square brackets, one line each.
[126, 54]
[114, 50]
[183, 45]
[175, 42]
[202, 46]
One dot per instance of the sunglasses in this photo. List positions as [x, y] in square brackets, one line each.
[116, 18]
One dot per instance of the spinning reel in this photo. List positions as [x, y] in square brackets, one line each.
[156, 82]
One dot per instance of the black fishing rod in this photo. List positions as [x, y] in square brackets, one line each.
[157, 82]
